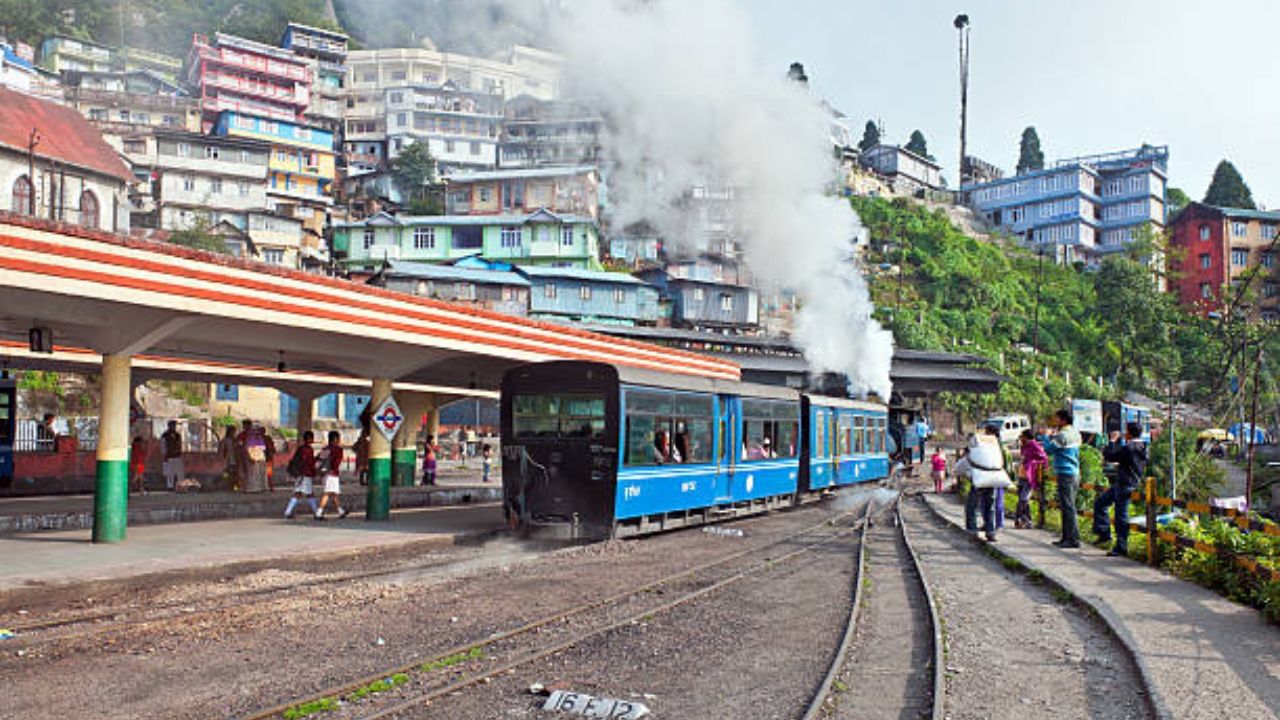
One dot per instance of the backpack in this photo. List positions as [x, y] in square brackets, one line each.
[296, 463]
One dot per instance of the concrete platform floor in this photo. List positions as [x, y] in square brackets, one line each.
[51, 559]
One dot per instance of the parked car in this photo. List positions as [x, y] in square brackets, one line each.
[1008, 427]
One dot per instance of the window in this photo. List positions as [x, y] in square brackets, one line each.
[1239, 257]
[1268, 260]
[464, 291]
[726, 302]
[699, 294]
[512, 237]
[424, 238]
[667, 427]
[543, 233]
[184, 150]
[215, 186]
[566, 236]
[188, 183]
[1206, 291]
[485, 194]
[398, 75]
[229, 393]
[368, 238]
[369, 77]
[98, 114]
[1269, 232]
[1239, 229]
[619, 296]
[169, 120]
[22, 196]
[211, 152]
[1204, 232]
[567, 415]
[1269, 289]
[135, 146]
[244, 188]
[448, 146]
[475, 148]
[549, 291]
[769, 429]
[584, 293]
[397, 98]
[1206, 261]
[275, 256]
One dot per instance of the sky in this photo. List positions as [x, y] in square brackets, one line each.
[1092, 76]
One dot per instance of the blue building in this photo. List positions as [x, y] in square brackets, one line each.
[1081, 207]
[577, 295]
[706, 295]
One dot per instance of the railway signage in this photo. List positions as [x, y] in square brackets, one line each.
[594, 707]
[388, 418]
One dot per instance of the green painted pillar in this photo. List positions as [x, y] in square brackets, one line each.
[404, 466]
[378, 501]
[404, 454]
[111, 489]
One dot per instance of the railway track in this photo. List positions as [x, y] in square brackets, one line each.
[496, 655]
[892, 625]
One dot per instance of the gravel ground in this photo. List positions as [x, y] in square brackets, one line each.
[888, 672]
[230, 662]
[754, 649]
[1013, 650]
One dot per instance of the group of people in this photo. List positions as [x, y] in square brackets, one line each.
[248, 457]
[172, 466]
[989, 468]
[306, 465]
[432, 453]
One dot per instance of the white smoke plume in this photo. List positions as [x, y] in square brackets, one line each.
[687, 105]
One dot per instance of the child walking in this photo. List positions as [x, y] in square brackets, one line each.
[939, 463]
[429, 462]
[1034, 460]
[330, 462]
[302, 470]
[486, 453]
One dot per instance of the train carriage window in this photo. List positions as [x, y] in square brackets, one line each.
[770, 429]
[681, 423]
[820, 434]
[844, 437]
[559, 416]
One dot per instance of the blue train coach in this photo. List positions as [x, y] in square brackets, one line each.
[595, 450]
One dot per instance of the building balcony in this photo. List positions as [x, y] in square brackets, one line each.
[220, 104]
[255, 64]
[276, 93]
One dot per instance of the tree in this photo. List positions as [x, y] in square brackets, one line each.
[1228, 189]
[413, 171]
[918, 145]
[1030, 156]
[1176, 199]
[200, 236]
[870, 137]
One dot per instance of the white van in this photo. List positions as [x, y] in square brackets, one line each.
[1008, 427]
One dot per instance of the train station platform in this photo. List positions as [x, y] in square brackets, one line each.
[44, 562]
[1203, 655]
[75, 512]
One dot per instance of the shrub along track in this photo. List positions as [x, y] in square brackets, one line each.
[467, 671]
[888, 665]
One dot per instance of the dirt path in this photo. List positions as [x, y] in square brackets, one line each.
[1014, 650]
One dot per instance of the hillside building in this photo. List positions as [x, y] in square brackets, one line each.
[54, 164]
[232, 74]
[1215, 246]
[907, 172]
[538, 132]
[575, 295]
[325, 52]
[200, 179]
[499, 289]
[706, 296]
[572, 190]
[1081, 207]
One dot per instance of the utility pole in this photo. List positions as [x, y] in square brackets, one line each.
[1035, 323]
[962, 28]
[32, 141]
[1253, 433]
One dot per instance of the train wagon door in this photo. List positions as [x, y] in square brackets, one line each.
[727, 443]
[8, 427]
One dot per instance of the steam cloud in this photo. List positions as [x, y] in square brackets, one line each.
[688, 106]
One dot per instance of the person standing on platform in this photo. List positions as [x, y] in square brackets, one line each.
[939, 470]
[486, 454]
[429, 461]
[330, 464]
[361, 450]
[1063, 447]
[302, 470]
[1131, 461]
[171, 445]
[922, 435]
[138, 463]
[1033, 462]
[269, 445]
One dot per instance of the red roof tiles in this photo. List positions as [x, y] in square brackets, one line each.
[65, 135]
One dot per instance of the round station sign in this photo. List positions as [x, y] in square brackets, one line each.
[388, 418]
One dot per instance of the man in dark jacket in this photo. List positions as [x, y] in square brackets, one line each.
[1131, 464]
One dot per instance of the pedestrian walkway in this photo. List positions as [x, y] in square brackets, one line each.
[1206, 656]
[55, 558]
[75, 512]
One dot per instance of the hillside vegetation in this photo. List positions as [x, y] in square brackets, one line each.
[959, 293]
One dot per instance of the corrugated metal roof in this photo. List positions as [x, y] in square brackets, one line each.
[429, 271]
[1244, 214]
[520, 173]
[465, 220]
[65, 135]
[539, 271]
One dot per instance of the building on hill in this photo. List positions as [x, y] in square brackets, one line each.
[59, 53]
[1081, 207]
[978, 171]
[194, 178]
[54, 164]
[326, 54]
[573, 190]
[17, 71]
[706, 296]
[575, 295]
[908, 172]
[498, 289]
[249, 78]
[537, 238]
[302, 167]
[460, 127]
[1214, 246]
[538, 132]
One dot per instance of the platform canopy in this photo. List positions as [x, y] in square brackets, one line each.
[111, 295]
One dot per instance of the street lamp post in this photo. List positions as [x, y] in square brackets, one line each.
[962, 28]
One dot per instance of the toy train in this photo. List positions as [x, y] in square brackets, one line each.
[593, 450]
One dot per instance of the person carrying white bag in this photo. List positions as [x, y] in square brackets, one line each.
[988, 470]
